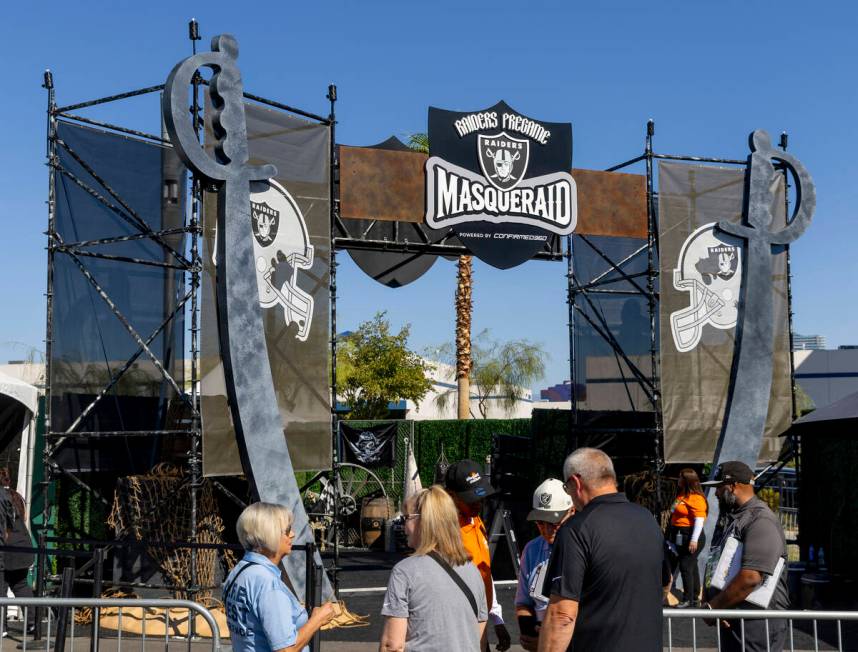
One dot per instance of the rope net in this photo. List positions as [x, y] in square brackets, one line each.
[155, 508]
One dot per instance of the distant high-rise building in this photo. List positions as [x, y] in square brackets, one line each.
[808, 342]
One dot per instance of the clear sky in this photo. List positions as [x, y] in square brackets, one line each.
[708, 73]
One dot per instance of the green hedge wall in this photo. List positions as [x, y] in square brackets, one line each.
[462, 439]
[79, 513]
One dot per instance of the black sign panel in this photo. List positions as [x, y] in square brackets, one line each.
[371, 447]
[500, 181]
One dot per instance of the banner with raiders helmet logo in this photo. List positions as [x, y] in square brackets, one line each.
[370, 447]
[290, 227]
[700, 300]
[500, 181]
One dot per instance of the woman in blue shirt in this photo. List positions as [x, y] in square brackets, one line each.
[551, 507]
[261, 612]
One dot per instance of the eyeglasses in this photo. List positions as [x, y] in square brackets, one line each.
[548, 524]
[411, 517]
[568, 483]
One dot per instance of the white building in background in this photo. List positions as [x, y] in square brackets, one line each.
[443, 377]
[32, 373]
[808, 342]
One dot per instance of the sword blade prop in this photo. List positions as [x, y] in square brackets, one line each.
[250, 387]
[751, 377]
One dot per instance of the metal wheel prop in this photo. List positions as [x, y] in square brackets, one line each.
[353, 486]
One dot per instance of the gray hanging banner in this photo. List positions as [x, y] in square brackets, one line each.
[290, 223]
[701, 275]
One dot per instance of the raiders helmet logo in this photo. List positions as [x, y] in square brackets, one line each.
[503, 159]
[265, 221]
[545, 500]
[709, 269]
[282, 249]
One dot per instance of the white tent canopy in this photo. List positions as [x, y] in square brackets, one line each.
[20, 391]
[19, 405]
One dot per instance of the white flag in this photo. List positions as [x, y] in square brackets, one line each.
[412, 476]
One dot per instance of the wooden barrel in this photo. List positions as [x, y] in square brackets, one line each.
[373, 516]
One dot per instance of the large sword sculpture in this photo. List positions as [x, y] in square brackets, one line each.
[751, 378]
[250, 388]
[748, 401]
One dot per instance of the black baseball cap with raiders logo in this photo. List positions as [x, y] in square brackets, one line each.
[467, 481]
[730, 472]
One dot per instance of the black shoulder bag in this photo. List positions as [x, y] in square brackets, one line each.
[458, 580]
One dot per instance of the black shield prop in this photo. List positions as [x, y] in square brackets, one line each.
[504, 149]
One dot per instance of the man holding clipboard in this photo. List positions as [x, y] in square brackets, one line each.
[746, 569]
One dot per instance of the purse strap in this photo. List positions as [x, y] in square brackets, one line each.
[229, 586]
[458, 580]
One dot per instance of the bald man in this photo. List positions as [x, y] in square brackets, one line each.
[604, 576]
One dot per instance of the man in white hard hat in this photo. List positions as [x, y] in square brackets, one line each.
[551, 507]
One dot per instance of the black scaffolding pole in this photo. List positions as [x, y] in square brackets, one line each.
[41, 561]
[195, 454]
[652, 274]
[335, 428]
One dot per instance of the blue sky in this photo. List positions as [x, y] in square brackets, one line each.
[708, 73]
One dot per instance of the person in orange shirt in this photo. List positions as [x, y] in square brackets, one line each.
[686, 533]
[469, 487]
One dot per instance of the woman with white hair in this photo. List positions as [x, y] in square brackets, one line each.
[261, 611]
[436, 599]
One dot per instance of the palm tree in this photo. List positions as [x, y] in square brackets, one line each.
[501, 371]
[464, 311]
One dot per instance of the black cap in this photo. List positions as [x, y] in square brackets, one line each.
[731, 472]
[467, 481]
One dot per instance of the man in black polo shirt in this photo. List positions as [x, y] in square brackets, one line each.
[761, 536]
[604, 577]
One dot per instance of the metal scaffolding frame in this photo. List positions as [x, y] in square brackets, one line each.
[650, 383]
[188, 262]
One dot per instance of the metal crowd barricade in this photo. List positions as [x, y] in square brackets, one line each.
[61, 629]
[684, 629]
[45, 605]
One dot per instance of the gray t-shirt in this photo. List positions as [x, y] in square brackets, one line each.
[440, 618]
[763, 544]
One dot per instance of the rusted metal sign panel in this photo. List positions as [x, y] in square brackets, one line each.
[380, 184]
[611, 203]
[387, 185]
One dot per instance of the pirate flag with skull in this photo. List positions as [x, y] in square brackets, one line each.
[371, 447]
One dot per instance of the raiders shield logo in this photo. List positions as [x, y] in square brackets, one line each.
[545, 500]
[264, 222]
[503, 159]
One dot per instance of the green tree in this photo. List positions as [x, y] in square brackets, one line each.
[464, 311]
[375, 367]
[803, 403]
[501, 370]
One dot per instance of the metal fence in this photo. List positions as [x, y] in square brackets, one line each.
[56, 628]
[780, 490]
[787, 488]
[685, 629]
